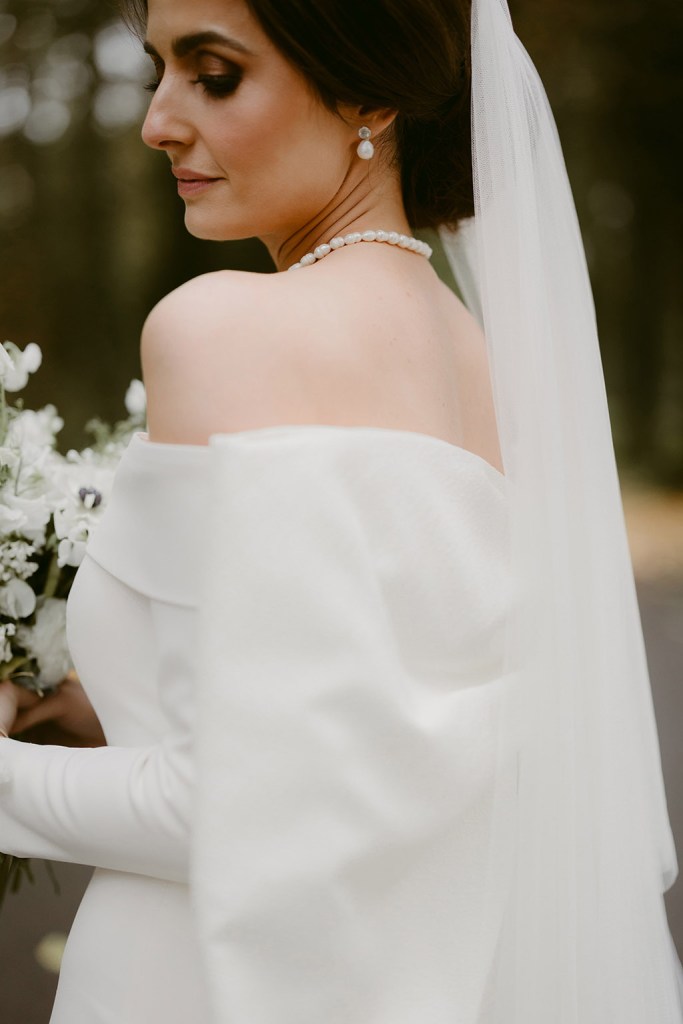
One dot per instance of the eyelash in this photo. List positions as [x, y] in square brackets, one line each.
[213, 85]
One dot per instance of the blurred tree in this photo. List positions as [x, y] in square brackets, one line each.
[91, 227]
[614, 75]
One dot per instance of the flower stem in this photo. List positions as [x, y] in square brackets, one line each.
[3, 415]
[52, 577]
[8, 667]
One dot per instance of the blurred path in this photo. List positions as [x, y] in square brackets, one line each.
[655, 525]
[654, 520]
[27, 987]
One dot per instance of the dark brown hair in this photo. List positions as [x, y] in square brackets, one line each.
[412, 56]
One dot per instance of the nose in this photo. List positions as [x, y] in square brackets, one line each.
[164, 125]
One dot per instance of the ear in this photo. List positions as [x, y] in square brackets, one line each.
[377, 119]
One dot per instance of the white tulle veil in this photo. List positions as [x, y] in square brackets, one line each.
[580, 839]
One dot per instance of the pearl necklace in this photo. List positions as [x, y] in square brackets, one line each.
[392, 237]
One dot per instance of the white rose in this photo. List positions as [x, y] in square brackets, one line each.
[15, 365]
[46, 641]
[17, 599]
[28, 516]
[136, 398]
[35, 429]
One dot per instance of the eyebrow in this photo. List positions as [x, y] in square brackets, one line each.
[184, 45]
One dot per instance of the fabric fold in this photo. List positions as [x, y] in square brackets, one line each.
[152, 535]
[348, 693]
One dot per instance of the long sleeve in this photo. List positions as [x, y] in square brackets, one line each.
[124, 808]
[349, 630]
[111, 807]
[131, 620]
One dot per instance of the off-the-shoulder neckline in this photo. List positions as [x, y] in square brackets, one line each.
[259, 433]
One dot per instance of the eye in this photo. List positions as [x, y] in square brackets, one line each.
[214, 85]
[218, 85]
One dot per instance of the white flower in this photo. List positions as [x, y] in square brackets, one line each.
[71, 552]
[9, 458]
[15, 560]
[74, 521]
[15, 365]
[6, 363]
[136, 399]
[28, 516]
[7, 631]
[85, 481]
[87, 469]
[11, 519]
[17, 599]
[46, 641]
[23, 515]
[34, 429]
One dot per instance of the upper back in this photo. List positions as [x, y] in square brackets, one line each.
[232, 351]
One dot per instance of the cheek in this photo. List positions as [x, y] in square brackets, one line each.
[276, 149]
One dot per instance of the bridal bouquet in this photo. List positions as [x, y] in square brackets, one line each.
[50, 504]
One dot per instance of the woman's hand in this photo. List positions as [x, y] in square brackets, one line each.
[13, 699]
[65, 716]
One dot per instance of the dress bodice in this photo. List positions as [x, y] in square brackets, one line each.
[431, 518]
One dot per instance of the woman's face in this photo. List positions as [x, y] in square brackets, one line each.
[235, 111]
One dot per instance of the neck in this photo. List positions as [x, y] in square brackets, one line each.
[361, 209]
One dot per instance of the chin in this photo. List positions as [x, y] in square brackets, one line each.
[206, 233]
[210, 229]
[206, 228]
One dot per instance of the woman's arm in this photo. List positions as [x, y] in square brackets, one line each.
[117, 807]
[111, 807]
[123, 808]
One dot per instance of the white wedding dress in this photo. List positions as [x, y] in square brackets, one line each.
[327, 863]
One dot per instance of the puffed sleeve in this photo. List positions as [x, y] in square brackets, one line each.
[348, 624]
[123, 808]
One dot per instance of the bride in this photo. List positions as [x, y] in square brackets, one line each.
[321, 781]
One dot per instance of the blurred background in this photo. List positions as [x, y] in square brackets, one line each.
[92, 235]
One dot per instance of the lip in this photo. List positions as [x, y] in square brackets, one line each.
[190, 188]
[191, 182]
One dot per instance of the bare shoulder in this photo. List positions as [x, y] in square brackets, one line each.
[220, 354]
[233, 350]
[196, 310]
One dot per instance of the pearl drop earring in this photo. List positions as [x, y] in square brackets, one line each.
[365, 148]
